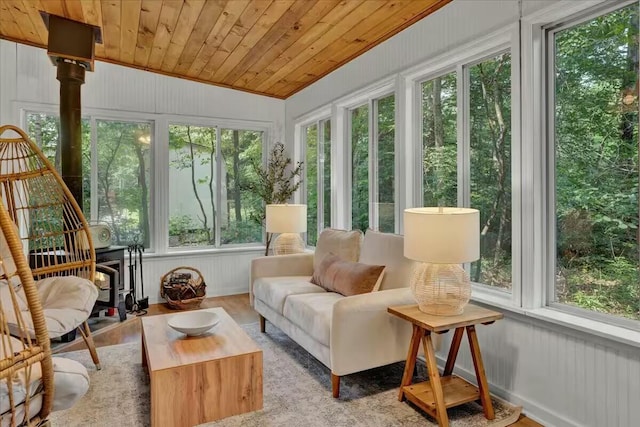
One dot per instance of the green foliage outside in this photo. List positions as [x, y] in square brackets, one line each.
[318, 159]
[193, 152]
[386, 163]
[360, 168]
[596, 167]
[122, 175]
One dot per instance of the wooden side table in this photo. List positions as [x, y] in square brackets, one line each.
[441, 392]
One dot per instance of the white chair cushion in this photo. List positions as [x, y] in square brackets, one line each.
[70, 379]
[312, 313]
[387, 249]
[71, 382]
[67, 301]
[273, 291]
[19, 381]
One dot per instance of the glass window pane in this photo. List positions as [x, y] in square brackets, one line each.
[439, 141]
[124, 179]
[490, 133]
[596, 164]
[360, 168]
[242, 153]
[311, 164]
[44, 130]
[325, 161]
[192, 186]
[386, 163]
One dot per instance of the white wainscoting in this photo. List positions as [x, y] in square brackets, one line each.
[561, 379]
[225, 273]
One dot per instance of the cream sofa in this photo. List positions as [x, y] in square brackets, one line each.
[347, 334]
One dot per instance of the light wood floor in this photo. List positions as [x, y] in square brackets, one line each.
[236, 305]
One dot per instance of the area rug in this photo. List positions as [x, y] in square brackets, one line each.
[297, 392]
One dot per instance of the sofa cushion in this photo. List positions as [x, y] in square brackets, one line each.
[312, 313]
[344, 244]
[273, 291]
[387, 249]
[348, 278]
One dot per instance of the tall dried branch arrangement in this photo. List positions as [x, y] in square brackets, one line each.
[276, 183]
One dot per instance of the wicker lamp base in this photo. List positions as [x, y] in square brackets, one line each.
[441, 289]
[288, 243]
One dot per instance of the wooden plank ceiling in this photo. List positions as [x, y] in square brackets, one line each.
[270, 47]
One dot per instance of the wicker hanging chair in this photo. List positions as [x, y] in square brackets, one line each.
[23, 361]
[52, 230]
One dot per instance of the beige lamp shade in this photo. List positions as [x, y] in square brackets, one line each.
[286, 218]
[442, 235]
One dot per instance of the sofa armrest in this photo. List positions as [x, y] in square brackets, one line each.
[364, 335]
[280, 265]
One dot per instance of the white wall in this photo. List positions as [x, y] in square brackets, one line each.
[562, 376]
[27, 77]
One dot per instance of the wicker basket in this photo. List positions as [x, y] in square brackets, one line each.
[183, 288]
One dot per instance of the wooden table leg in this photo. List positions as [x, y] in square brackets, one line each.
[483, 387]
[453, 352]
[434, 380]
[410, 364]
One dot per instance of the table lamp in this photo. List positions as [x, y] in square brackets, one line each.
[289, 221]
[441, 239]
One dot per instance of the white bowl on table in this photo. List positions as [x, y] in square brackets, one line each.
[193, 323]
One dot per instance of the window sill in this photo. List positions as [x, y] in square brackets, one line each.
[191, 252]
[580, 327]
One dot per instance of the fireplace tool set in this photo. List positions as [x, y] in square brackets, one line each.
[132, 304]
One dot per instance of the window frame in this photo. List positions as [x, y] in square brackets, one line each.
[320, 152]
[93, 115]
[343, 107]
[159, 164]
[219, 125]
[547, 76]
[459, 61]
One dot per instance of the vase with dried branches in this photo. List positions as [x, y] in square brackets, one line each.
[276, 183]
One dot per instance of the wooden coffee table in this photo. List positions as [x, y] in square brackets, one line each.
[194, 380]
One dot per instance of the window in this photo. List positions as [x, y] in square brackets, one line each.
[44, 129]
[122, 175]
[385, 170]
[241, 152]
[593, 136]
[372, 138]
[359, 121]
[466, 160]
[193, 186]
[317, 147]
[490, 180]
[439, 141]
